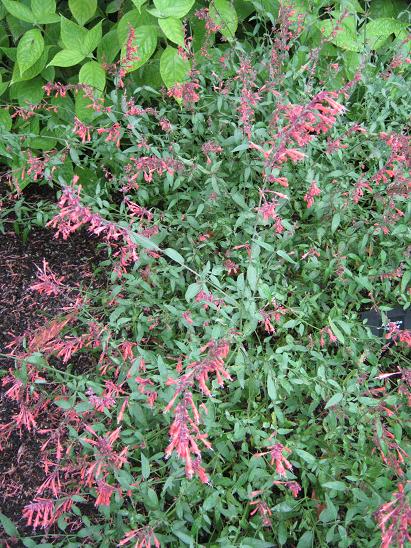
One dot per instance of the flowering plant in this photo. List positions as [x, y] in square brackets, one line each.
[231, 394]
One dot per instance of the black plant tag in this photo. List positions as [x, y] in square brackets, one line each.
[402, 318]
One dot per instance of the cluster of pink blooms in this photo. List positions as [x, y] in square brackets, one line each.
[48, 282]
[263, 510]
[187, 92]
[113, 134]
[60, 90]
[331, 337]
[312, 192]
[277, 458]
[204, 15]
[208, 298]
[397, 335]
[210, 147]
[25, 113]
[272, 315]
[147, 166]
[36, 166]
[250, 97]
[74, 215]
[184, 431]
[81, 130]
[130, 57]
[394, 520]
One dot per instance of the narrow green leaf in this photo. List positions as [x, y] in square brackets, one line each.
[8, 526]
[335, 222]
[252, 277]
[337, 485]
[174, 255]
[145, 466]
[271, 389]
[285, 256]
[334, 400]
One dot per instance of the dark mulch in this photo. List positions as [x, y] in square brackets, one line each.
[22, 310]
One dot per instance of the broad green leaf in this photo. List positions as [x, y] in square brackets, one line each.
[33, 71]
[337, 332]
[82, 108]
[306, 541]
[5, 119]
[29, 49]
[345, 38]
[146, 42]
[285, 256]
[335, 222]
[82, 10]
[44, 11]
[29, 92]
[174, 255]
[192, 291]
[92, 39]
[66, 58]
[223, 14]
[173, 8]
[337, 485]
[93, 74]
[135, 19]
[173, 68]
[72, 35]
[173, 29]
[387, 8]
[139, 3]
[334, 400]
[108, 47]
[19, 10]
[310, 459]
[377, 31]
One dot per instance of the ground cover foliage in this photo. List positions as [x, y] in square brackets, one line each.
[247, 215]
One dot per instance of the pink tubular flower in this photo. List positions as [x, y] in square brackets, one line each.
[293, 486]
[263, 510]
[312, 192]
[40, 513]
[104, 492]
[277, 458]
[47, 283]
[394, 520]
[113, 134]
[186, 92]
[142, 538]
[327, 331]
[81, 130]
[187, 317]
[210, 147]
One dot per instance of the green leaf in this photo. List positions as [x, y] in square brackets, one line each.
[337, 485]
[174, 255]
[28, 92]
[146, 42]
[135, 19]
[145, 466]
[173, 29]
[192, 290]
[82, 10]
[33, 71]
[72, 36]
[345, 38]
[66, 58]
[108, 47]
[252, 277]
[223, 14]
[29, 49]
[19, 10]
[334, 400]
[173, 8]
[6, 121]
[337, 332]
[335, 222]
[93, 74]
[173, 68]
[306, 541]
[377, 31]
[44, 11]
[305, 456]
[285, 256]
[8, 526]
[271, 389]
[139, 3]
[92, 39]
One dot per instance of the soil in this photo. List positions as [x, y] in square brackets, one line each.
[22, 310]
